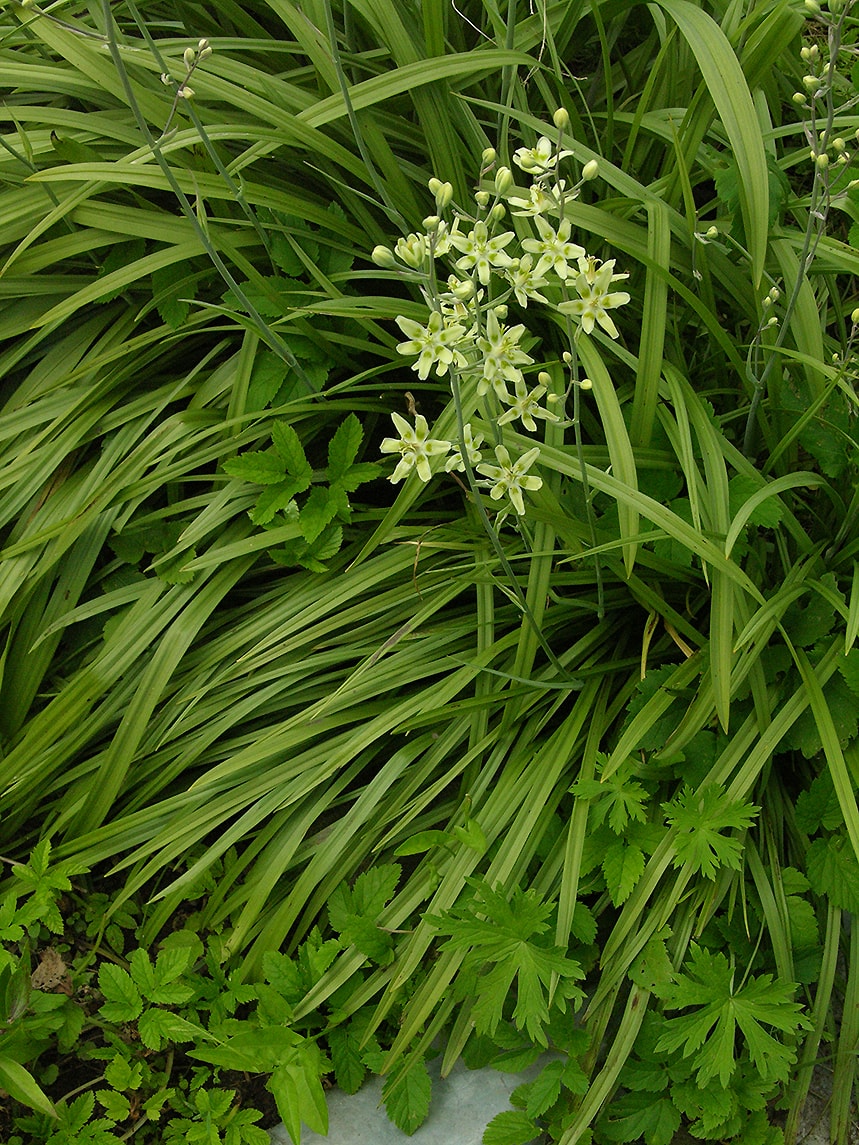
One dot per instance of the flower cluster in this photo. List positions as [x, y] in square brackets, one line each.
[469, 268]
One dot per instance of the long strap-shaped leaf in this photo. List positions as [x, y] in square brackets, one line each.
[729, 90]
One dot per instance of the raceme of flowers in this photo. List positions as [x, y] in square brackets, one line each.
[468, 268]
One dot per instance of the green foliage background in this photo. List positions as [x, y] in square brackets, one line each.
[218, 702]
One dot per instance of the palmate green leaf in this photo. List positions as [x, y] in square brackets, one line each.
[699, 818]
[708, 1034]
[502, 946]
[407, 1096]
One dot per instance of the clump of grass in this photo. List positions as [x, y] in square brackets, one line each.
[608, 743]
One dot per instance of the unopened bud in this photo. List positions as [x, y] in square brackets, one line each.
[383, 256]
[774, 294]
[544, 378]
[799, 98]
[712, 233]
[773, 321]
[500, 312]
[821, 160]
[810, 83]
[586, 384]
[498, 212]
[188, 56]
[854, 317]
[503, 180]
[482, 199]
[838, 145]
[202, 45]
[813, 7]
[489, 156]
[590, 170]
[561, 119]
[430, 223]
[412, 250]
[186, 92]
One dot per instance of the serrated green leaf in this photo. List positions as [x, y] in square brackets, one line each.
[290, 451]
[818, 806]
[358, 474]
[544, 1090]
[274, 499]
[123, 1002]
[640, 1116]
[407, 1097]
[343, 447]
[653, 969]
[116, 1105]
[622, 867]
[170, 289]
[159, 1026]
[349, 1068]
[262, 468]
[316, 512]
[512, 1127]
[833, 872]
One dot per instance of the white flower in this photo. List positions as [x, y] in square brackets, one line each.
[511, 477]
[593, 286]
[524, 281]
[540, 199]
[553, 248]
[415, 446]
[526, 406]
[472, 451]
[481, 252]
[537, 160]
[501, 356]
[434, 343]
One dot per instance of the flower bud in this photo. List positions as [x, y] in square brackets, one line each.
[799, 98]
[489, 156]
[854, 317]
[503, 180]
[412, 250]
[202, 45]
[189, 55]
[712, 232]
[838, 145]
[586, 384]
[430, 223]
[821, 160]
[482, 199]
[810, 83]
[383, 256]
[812, 7]
[590, 170]
[561, 119]
[773, 321]
[498, 212]
[186, 92]
[500, 312]
[544, 378]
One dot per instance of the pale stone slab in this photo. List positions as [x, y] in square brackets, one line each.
[462, 1106]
